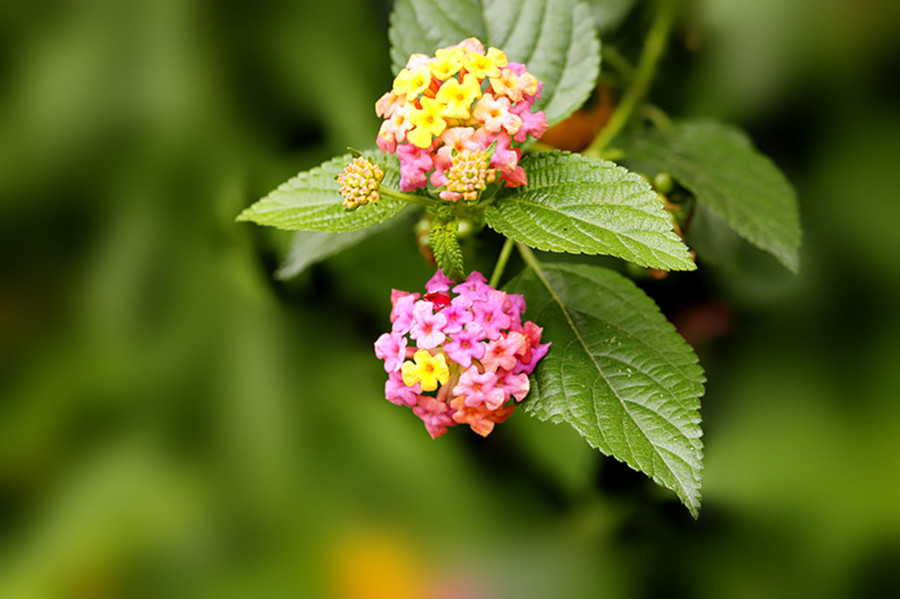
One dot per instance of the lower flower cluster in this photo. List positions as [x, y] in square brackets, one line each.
[460, 354]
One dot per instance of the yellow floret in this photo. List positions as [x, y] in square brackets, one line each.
[480, 65]
[497, 57]
[411, 83]
[428, 121]
[448, 62]
[428, 370]
[459, 96]
[529, 83]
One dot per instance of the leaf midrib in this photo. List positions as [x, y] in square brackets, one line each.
[590, 229]
[540, 275]
[575, 215]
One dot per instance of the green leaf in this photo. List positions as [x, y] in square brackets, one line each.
[618, 372]
[583, 205]
[609, 14]
[445, 246]
[720, 166]
[555, 39]
[311, 202]
[310, 247]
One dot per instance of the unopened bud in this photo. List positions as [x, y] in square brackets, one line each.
[359, 182]
[663, 183]
[469, 174]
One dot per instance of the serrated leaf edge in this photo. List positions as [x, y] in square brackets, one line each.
[254, 213]
[673, 261]
[693, 499]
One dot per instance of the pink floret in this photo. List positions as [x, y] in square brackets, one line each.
[533, 124]
[478, 389]
[457, 317]
[439, 282]
[391, 347]
[437, 415]
[465, 346]
[402, 313]
[427, 327]
[475, 287]
[415, 162]
[396, 391]
[502, 353]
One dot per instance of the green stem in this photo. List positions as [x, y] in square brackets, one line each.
[541, 147]
[614, 58]
[477, 208]
[405, 197]
[501, 263]
[530, 259]
[640, 85]
[657, 116]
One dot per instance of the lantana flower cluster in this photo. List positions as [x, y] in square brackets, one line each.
[359, 182]
[460, 354]
[453, 119]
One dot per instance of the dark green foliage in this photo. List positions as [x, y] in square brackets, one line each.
[617, 372]
[583, 205]
[555, 39]
[723, 170]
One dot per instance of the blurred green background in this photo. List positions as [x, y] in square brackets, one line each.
[176, 422]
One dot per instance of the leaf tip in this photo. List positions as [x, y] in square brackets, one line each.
[792, 262]
[245, 216]
[688, 265]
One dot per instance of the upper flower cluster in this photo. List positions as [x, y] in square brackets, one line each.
[461, 106]
[460, 354]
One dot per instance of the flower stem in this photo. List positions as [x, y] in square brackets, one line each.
[482, 205]
[640, 84]
[657, 116]
[614, 58]
[405, 197]
[501, 263]
[529, 258]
